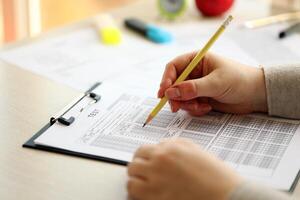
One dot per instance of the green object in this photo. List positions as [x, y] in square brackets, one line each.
[172, 9]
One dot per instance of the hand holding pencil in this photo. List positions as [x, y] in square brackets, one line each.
[194, 62]
[214, 83]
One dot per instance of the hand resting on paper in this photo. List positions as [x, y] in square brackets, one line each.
[179, 169]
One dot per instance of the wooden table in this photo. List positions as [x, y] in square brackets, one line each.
[27, 103]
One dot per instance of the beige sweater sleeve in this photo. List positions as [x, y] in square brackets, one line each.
[283, 90]
[283, 96]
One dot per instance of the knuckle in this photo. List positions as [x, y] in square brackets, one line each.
[162, 156]
[167, 151]
[165, 83]
[170, 149]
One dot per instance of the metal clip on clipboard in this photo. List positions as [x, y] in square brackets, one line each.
[68, 121]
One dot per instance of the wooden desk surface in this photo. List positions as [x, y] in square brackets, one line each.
[27, 102]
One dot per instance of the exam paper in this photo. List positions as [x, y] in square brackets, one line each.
[258, 147]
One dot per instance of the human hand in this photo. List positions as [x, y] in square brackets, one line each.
[178, 169]
[216, 83]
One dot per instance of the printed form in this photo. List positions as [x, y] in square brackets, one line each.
[258, 147]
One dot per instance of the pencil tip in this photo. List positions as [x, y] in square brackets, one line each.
[148, 120]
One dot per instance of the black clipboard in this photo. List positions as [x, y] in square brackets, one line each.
[30, 144]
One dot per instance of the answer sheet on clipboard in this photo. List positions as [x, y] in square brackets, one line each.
[260, 148]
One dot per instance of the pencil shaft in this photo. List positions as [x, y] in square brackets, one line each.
[159, 106]
[199, 56]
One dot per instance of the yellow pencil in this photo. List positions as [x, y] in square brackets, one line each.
[190, 67]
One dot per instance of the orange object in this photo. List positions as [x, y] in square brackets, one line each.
[9, 20]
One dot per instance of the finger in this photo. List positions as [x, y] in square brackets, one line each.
[207, 86]
[136, 187]
[231, 108]
[176, 66]
[163, 86]
[195, 106]
[139, 168]
[145, 151]
[198, 113]
[173, 70]
[188, 105]
[175, 106]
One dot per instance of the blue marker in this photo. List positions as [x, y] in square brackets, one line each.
[151, 32]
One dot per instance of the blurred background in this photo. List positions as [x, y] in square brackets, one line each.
[25, 18]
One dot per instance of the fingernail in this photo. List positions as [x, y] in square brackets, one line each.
[173, 93]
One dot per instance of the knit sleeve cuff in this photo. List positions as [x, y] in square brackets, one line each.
[283, 90]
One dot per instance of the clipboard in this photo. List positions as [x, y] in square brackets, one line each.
[67, 122]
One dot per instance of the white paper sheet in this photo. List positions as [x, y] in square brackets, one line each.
[258, 147]
[79, 59]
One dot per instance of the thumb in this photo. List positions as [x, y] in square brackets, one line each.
[207, 86]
